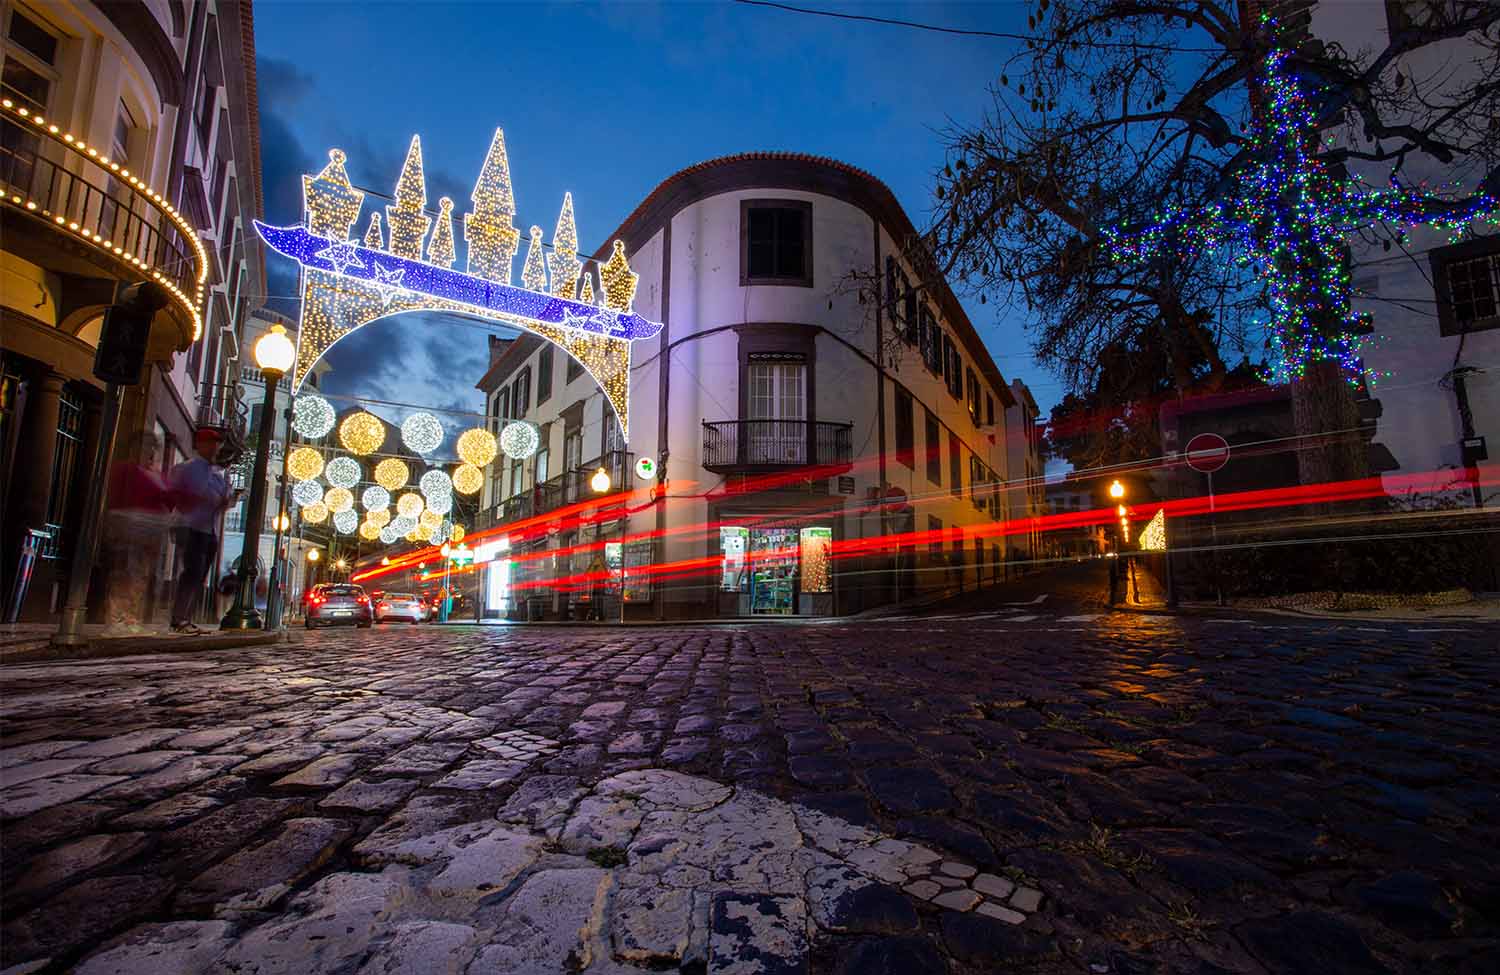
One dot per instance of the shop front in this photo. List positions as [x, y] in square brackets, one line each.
[772, 569]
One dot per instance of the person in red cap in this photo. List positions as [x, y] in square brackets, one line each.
[139, 512]
[200, 493]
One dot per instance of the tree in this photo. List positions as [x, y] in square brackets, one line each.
[1123, 110]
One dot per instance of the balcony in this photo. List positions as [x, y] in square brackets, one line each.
[747, 446]
[567, 488]
[73, 211]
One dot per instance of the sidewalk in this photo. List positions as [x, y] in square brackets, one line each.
[32, 642]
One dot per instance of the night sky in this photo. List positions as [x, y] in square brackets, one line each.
[605, 101]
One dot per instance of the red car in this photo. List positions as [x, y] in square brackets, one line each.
[330, 603]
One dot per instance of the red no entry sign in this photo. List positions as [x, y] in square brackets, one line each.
[1207, 452]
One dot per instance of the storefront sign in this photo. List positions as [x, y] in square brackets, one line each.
[817, 553]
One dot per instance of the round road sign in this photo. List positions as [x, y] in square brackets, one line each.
[645, 468]
[1207, 452]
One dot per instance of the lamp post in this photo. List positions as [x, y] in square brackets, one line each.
[312, 560]
[274, 354]
[1117, 494]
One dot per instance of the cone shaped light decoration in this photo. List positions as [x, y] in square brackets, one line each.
[339, 499]
[312, 416]
[315, 514]
[304, 464]
[422, 432]
[467, 479]
[410, 505]
[477, 446]
[391, 474]
[375, 497]
[362, 433]
[307, 493]
[343, 472]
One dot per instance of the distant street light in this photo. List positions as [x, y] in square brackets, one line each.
[313, 555]
[1116, 490]
[600, 481]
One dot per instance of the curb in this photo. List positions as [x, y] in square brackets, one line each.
[139, 646]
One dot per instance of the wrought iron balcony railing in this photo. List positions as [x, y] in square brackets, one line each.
[567, 488]
[761, 445]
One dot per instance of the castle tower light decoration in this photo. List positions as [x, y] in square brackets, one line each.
[346, 285]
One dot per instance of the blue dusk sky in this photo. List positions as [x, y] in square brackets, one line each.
[606, 102]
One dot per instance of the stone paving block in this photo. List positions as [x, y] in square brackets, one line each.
[648, 924]
[423, 948]
[53, 825]
[169, 812]
[839, 899]
[256, 878]
[992, 886]
[81, 915]
[36, 751]
[665, 789]
[161, 949]
[957, 900]
[1026, 898]
[890, 956]
[361, 796]
[47, 768]
[322, 773]
[553, 923]
[1000, 913]
[484, 861]
[179, 775]
[279, 761]
[208, 738]
[134, 741]
[72, 861]
[481, 774]
[223, 831]
[422, 759]
[542, 801]
[600, 822]
[757, 935]
[328, 928]
[138, 763]
[23, 800]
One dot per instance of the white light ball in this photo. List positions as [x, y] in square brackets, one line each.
[422, 432]
[435, 482]
[440, 503]
[388, 534]
[343, 472]
[401, 524]
[519, 440]
[312, 416]
[346, 521]
[375, 498]
[307, 493]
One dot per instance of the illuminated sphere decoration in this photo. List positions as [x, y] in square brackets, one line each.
[315, 514]
[457, 533]
[410, 505]
[401, 524]
[362, 433]
[518, 440]
[435, 482]
[379, 517]
[343, 472]
[422, 432]
[307, 493]
[467, 479]
[391, 473]
[339, 499]
[389, 534]
[346, 521]
[424, 533]
[375, 497]
[369, 531]
[477, 446]
[304, 464]
[429, 518]
[312, 416]
[440, 503]
[415, 535]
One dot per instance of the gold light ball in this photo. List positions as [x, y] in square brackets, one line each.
[339, 500]
[315, 514]
[410, 505]
[424, 533]
[456, 533]
[467, 479]
[391, 473]
[369, 531]
[412, 536]
[362, 433]
[304, 464]
[379, 517]
[430, 518]
[477, 446]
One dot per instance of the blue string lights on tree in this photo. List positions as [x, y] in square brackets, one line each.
[1290, 217]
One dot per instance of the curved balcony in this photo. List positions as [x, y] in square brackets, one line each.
[747, 446]
[72, 210]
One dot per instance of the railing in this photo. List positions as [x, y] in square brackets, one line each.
[220, 405]
[567, 488]
[765, 444]
[108, 211]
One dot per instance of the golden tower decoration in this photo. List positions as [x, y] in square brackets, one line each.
[407, 221]
[440, 249]
[374, 237]
[534, 274]
[489, 229]
[563, 263]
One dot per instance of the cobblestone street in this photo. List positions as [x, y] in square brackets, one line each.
[1037, 786]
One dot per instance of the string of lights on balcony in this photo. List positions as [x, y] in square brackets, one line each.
[185, 229]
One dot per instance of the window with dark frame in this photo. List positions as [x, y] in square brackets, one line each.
[1468, 288]
[953, 367]
[955, 466]
[544, 375]
[906, 432]
[989, 410]
[777, 247]
[933, 444]
[503, 404]
[932, 342]
[911, 330]
[575, 369]
[521, 393]
[935, 535]
[976, 482]
[27, 76]
[971, 383]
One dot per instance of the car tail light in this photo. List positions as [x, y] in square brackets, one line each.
[362, 599]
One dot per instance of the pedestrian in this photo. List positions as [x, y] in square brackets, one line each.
[139, 511]
[200, 493]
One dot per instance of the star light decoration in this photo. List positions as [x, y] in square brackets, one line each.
[477, 446]
[304, 463]
[362, 433]
[349, 281]
[1290, 217]
[312, 416]
[518, 440]
[391, 474]
[343, 472]
[422, 432]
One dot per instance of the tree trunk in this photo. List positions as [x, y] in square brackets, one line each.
[1324, 412]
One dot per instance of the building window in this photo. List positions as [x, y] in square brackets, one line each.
[575, 369]
[776, 242]
[517, 477]
[971, 385]
[976, 481]
[906, 451]
[544, 375]
[955, 466]
[520, 397]
[911, 330]
[65, 456]
[777, 390]
[953, 369]
[1468, 287]
[29, 73]
[932, 342]
[935, 535]
[934, 446]
[542, 458]
[572, 450]
[989, 410]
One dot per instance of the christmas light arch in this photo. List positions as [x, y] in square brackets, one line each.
[352, 277]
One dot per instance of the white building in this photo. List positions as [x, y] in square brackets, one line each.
[802, 398]
[1027, 488]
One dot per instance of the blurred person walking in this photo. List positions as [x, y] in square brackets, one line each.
[200, 493]
[139, 511]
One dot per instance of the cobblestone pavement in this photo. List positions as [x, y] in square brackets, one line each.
[1032, 787]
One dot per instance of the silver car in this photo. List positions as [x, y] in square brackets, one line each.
[398, 606]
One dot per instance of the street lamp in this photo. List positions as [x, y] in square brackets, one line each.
[313, 555]
[274, 354]
[1116, 490]
[600, 481]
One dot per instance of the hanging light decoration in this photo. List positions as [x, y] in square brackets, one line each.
[339, 499]
[304, 464]
[369, 531]
[389, 535]
[429, 518]
[343, 472]
[410, 505]
[312, 416]
[456, 533]
[375, 497]
[440, 503]
[307, 493]
[435, 482]
[346, 521]
[315, 514]
[362, 433]
[401, 524]
[424, 533]
[467, 479]
[422, 432]
[440, 533]
[379, 517]
[415, 535]
[391, 473]
[477, 446]
[518, 440]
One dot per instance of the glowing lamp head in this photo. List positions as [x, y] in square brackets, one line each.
[341, 565]
[600, 481]
[1120, 510]
[274, 352]
[385, 561]
[313, 555]
[445, 550]
[1116, 490]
